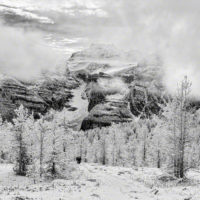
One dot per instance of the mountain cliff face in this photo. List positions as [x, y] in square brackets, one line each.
[38, 96]
[13, 93]
[116, 86]
[104, 114]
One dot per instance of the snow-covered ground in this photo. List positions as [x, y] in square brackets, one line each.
[93, 182]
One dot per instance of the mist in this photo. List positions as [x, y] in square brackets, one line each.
[169, 29]
[25, 55]
[115, 85]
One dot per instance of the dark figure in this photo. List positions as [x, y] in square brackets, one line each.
[78, 159]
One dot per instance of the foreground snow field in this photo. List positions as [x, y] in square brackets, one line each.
[98, 182]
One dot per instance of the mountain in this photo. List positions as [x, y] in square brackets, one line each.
[101, 83]
[107, 80]
[118, 86]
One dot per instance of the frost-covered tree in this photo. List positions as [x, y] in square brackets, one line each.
[56, 161]
[5, 141]
[64, 121]
[39, 146]
[117, 137]
[131, 145]
[193, 146]
[20, 141]
[177, 118]
[158, 147]
[103, 147]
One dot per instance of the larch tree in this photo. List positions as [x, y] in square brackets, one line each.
[20, 141]
[143, 131]
[56, 161]
[177, 118]
[39, 146]
[158, 146]
[5, 141]
[103, 146]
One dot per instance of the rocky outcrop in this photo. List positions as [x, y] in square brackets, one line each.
[57, 92]
[96, 52]
[87, 77]
[13, 93]
[104, 114]
[138, 102]
[97, 67]
[37, 97]
[95, 95]
[144, 103]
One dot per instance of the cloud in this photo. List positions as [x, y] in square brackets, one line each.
[169, 29]
[115, 85]
[25, 55]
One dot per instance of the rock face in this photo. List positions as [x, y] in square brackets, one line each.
[113, 88]
[36, 97]
[99, 51]
[13, 93]
[104, 106]
[57, 93]
[143, 103]
[138, 102]
[104, 114]
[95, 95]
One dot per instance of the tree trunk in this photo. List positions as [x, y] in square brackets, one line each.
[158, 160]
[41, 155]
